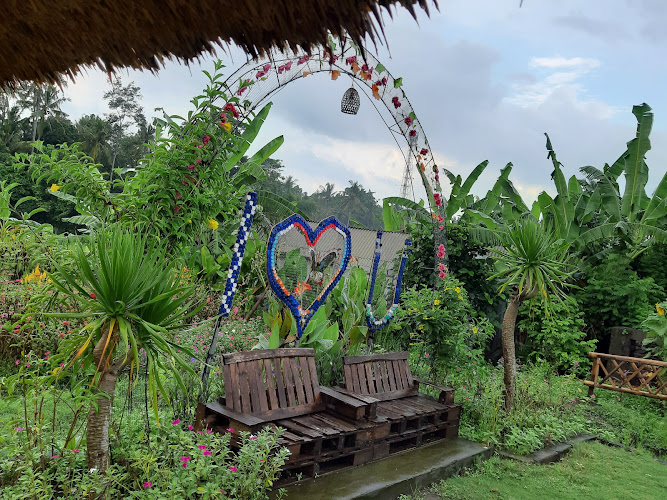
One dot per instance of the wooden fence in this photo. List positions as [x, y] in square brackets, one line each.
[643, 377]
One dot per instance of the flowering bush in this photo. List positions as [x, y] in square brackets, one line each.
[440, 320]
[172, 462]
[656, 331]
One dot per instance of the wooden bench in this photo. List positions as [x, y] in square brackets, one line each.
[323, 429]
[403, 417]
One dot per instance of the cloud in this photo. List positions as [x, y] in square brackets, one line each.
[581, 63]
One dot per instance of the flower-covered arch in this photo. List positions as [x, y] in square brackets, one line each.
[254, 82]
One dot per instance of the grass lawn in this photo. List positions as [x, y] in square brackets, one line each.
[591, 470]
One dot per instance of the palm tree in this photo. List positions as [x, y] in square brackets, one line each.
[94, 132]
[10, 122]
[42, 102]
[132, 297]
[532, 265]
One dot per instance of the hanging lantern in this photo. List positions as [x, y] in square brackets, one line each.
[350, 102]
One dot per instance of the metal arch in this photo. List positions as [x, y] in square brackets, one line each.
[247, 88]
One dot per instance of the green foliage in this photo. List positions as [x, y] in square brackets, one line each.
[655, 327]
[612, 294]
[555, 336]
[440, 321]
[169, 463]
[131, 296]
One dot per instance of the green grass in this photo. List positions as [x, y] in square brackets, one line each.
[591, 471]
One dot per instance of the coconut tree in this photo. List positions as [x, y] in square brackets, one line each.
[532, 265]
[132, 298]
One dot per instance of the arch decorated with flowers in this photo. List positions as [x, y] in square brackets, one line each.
[256, 81]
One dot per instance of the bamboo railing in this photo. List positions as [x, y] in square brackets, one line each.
[643, 377]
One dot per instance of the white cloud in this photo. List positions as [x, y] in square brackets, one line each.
[563, 62]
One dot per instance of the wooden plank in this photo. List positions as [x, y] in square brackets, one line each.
[239, 357]
[397, 375]
[280, 384]
[256, 394]
[390, 375]
[289, 381]
[406, 381]
[355, 380]
[246, 407]
[654, 362]
[313, 378]
[361, 373]
[388, 396]
[334, 422]
[347, 370]
[307, 384]
[293, 411]
[369, 378]
[350, 360]
[248, 420]
[316, 425]
[270, 384]
[296, 378]
[299, 429]
[379, 382]
[627, 391]
[232, 398]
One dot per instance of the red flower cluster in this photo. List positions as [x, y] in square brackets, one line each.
[205, 140]
[230, 107]
[396, 102]
[408, 121]
[284, 67]
[382, 82]
[423, 151]
[244, 85]
[263, 72]
[413, 133]
[191, 167]
[351, 60]
[366, 69]
[333, 59]
[438, 200]
[303, 59]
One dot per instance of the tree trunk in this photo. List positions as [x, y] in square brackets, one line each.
[509, 322]
[97, 433]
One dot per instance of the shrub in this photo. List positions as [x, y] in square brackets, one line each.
[556, 336]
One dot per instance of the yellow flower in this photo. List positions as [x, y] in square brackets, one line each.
[436, 302]
[457, 290]
[660, 310]
[189, 221]
[213, 224]
[227, 126]
[54, 188]
[460, 297]
[474, 330]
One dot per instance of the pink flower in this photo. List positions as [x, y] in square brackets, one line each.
[208, 431]
[439, 217]
[232, 468]
[65, 323]
[54, 457]
[442, 275]
[427, 355]
[253, 437]
[202, 446]
[230, 107]
[198, 161]
[176, 208]
[423, 151]
[235, 310]
[191, 167]
[441, 251]
[351, 60]
[147, 484]
[303, 59]
[75, 450]
[206, 452]
[205, 140]
[441, 267]
[18, 362]
[467, 399]
[230, 430]
[176, 422]
[441, 227]
[438, 199]
[408, 121]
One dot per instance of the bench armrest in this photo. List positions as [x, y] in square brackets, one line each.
[248, 422]
[348, 405]
[446, 395]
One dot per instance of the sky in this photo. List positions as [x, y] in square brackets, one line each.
[486, 78]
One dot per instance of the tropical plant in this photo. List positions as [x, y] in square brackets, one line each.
[131, 298]
[532, 264]
[656, 331]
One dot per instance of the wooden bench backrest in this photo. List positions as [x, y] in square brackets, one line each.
[272, 383]
[382, 376]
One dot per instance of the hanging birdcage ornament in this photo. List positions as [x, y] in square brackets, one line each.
[350, 102]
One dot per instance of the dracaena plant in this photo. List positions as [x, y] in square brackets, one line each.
[132, 298]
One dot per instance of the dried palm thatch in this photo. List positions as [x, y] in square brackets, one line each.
[39, 40]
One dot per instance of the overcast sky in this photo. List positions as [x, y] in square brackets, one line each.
[486, 79]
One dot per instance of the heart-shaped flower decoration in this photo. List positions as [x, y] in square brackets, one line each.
[311, 236]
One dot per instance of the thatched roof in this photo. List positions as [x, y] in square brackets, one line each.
[39, 40]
